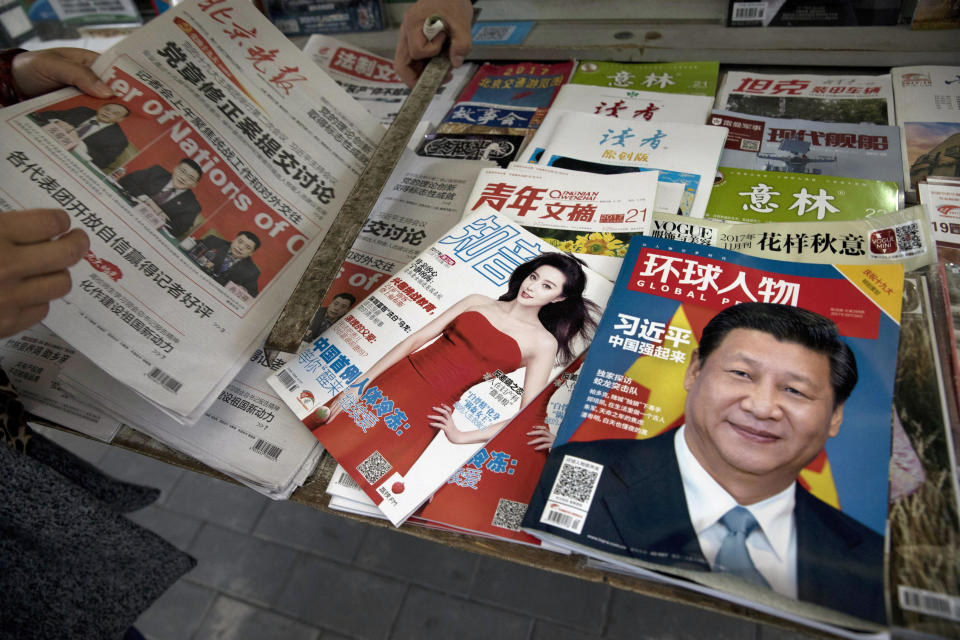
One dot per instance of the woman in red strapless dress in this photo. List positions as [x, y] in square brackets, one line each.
[528, 327]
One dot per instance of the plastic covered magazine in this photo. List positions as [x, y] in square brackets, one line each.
[924, 524]
[694, 78]
[489, 494]
[849, 150]
[748, 195]
[686, 155]
[624, 104]
[824, 98]
[928, 114]
[506, 98]
[699, 401]
[892, 238]
[435, 348]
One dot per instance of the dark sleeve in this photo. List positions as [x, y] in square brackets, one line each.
[74, 117]
[250, 283]
[8, 91]
[313, 331]
[107, 146]
[136, 182]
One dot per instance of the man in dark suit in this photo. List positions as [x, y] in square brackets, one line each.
[326, 316]
[230, 261]
[765, 390]
[98, 129]
[171, 192]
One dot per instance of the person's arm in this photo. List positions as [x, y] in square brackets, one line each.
[413, 47]
[410, 344]
[36, 249]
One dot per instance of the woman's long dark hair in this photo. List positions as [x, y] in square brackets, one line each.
[568, 318]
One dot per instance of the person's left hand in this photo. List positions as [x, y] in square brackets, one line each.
[542, 437]
[39, 72]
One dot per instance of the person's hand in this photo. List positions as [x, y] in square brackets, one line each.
[541, 438]
[412, 45]
[33, 264]
[39, 72]
[443, 420]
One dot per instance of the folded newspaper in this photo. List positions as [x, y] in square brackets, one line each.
[205, 185]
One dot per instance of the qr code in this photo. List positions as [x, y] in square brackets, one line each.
[509, 514]
[750, 145]
[908, 237]
[374, 467]
[575, 483]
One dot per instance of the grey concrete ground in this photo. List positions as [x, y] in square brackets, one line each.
[278, 570]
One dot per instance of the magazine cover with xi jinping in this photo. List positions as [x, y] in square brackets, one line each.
[731, 424]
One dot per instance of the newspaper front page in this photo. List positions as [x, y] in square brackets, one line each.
[205, 186]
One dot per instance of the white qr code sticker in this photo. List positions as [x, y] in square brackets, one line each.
[572, 493]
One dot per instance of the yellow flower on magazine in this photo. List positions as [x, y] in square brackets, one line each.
[567, 245]
[598, 244]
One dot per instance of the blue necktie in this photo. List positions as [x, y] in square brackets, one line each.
[83, 128]
[733, 556]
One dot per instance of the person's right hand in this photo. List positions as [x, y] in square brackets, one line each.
[541, 437]
[33, 264]
[413, 47]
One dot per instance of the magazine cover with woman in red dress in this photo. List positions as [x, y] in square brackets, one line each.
[530, 327]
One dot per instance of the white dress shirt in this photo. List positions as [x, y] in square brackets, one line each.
[772, 545]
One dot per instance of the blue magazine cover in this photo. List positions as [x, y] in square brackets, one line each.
[719, 385]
